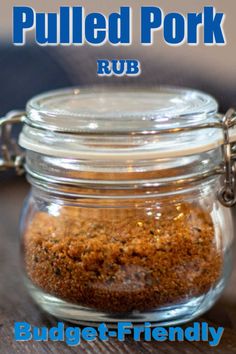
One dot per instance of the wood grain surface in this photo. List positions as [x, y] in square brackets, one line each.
[15, 304]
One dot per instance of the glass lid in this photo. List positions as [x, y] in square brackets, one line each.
[122, 123]
[120, 109]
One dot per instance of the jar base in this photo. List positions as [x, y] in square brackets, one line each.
[164, 316]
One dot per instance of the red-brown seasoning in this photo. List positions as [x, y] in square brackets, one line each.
[118, 260]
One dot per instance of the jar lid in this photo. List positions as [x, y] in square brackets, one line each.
[114, 110]
[122, 122]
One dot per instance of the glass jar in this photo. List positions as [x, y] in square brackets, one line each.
[127, 218]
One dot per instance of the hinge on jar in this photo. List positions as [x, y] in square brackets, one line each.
[227, 194]
[11, 157]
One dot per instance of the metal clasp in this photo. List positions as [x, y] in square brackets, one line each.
[227, 194]
[11, 157]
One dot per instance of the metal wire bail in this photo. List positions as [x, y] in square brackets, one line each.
[11, 157]
[227, 195]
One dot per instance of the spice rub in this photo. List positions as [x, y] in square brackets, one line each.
[123, 260]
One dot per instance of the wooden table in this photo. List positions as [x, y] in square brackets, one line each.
[15, 304]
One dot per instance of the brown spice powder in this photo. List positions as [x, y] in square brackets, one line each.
[123, 260]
